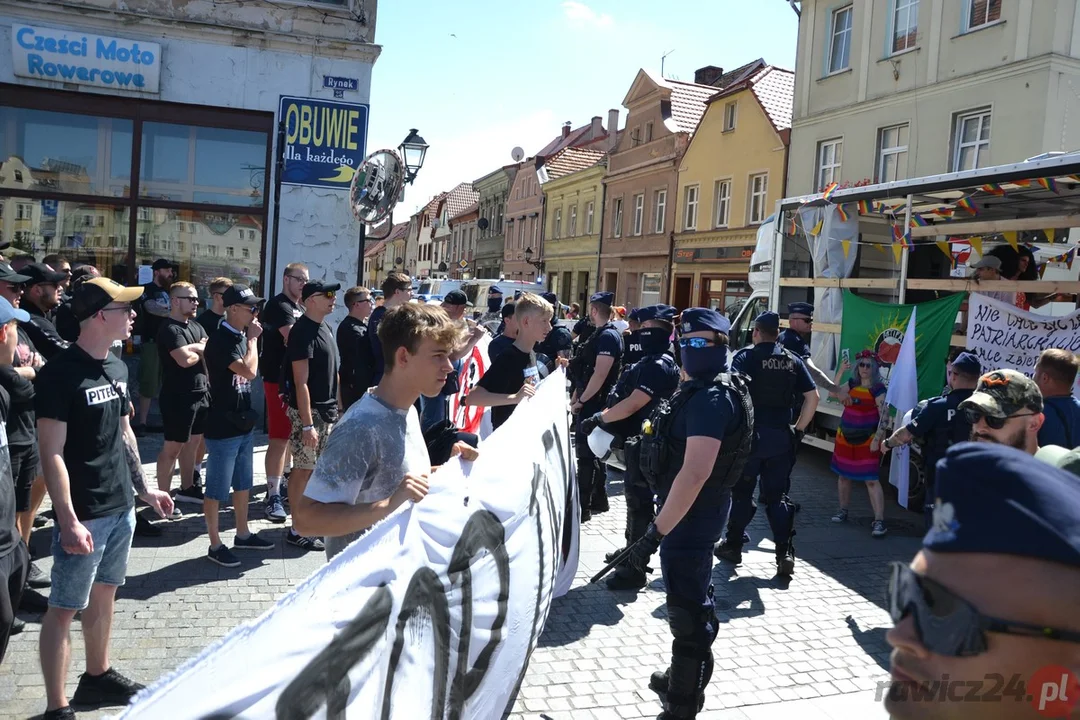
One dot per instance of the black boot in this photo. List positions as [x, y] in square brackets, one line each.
[785, 561]
[729, 551]
[599, 502]
[626, 578]
[610, 557]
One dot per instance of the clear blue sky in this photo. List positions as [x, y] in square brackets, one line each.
[478, 77]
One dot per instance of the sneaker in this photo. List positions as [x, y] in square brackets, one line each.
[275, 511]
[108, 688]
[878, 529]
[17, 626]
[728, 551]
[222, 556]
[252, 542]
[304, 543]
[177, 513]
[40, 521]
[840, 517]
[37, 578]
[144, 528]
[65, 713]
[192, 494]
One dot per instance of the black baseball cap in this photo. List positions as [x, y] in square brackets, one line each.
[162, 263]
[7, 274]
[456, 297]
[316, 287]
[41, 273]
[93, 295]
[240, 295]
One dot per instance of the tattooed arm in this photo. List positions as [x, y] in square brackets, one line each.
[160, 501]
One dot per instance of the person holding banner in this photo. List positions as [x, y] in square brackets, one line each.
[377, 459]
[1055, 374]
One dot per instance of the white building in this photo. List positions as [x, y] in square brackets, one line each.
[159, 122]
[893, 89]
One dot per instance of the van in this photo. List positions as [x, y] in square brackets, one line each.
[477, 290]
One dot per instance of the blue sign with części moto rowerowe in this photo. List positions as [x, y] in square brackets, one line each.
[325, 141]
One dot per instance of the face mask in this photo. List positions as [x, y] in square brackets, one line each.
[494, 304]
[706, 362]
[653, 340]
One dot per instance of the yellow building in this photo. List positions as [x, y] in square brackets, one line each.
[729, 182]
[573, 197]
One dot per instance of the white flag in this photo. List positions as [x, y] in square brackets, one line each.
[903, 394]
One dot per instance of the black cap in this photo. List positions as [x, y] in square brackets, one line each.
[93, 295]
[7, 274]
[40, 273]
[318, 286]
[240, 295]
[83, 272]
[162, 263]
[455, 297]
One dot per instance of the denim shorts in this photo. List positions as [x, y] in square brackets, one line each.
[228, 466]
[74, 575]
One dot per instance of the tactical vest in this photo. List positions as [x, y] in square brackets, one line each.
[944, 436]
[624, 388]
[587, 365]
[662, 456]
[773, 381]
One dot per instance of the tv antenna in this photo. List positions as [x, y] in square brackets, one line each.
[662, 59]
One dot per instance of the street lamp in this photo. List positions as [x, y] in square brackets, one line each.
[539, 264]
[413, 149]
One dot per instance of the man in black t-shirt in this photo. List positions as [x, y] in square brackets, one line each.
[152, 308]
[93, 470]
[277, 318]
[41, 296]
[311, 372]
[397, 290]
[185, 395]
[214, 313]
[232, 363]
[354, 348]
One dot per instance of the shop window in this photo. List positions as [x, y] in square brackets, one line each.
[202, 165]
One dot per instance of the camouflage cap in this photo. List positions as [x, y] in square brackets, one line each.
[1002, 393]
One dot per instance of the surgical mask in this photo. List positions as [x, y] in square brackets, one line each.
[494, 304]
[706, 362]
[653, 340]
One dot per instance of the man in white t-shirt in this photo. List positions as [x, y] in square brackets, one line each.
[376, 458]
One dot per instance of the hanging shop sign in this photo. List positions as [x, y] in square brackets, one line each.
[325, 141]
[77, 57]
[729, 254]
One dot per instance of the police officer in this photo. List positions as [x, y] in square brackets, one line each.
[597, 371]
[692, 452]
[778, 378]
[639, 389]
[492, 319]
[941, 424]
[800, 325]
[558, 342]
[633, 351]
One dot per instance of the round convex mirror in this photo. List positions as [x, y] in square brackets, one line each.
[376, 187]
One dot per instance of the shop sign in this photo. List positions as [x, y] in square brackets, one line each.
[84, 59]
[728, 254]
[325, 141]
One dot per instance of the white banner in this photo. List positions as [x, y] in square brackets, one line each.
[433, 613]
[473, 419]
[1004, 336]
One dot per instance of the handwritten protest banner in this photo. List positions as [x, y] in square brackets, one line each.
[1004, 336]
[433, 613]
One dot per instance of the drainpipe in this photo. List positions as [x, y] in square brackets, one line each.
[600, 240]
[795, 9]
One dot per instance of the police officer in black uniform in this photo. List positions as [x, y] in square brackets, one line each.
[778, 378]
[692, 452]
[632, 350]
[558, 342]
[800, 324]
[596, 372]
[940, 424]
[639, 389]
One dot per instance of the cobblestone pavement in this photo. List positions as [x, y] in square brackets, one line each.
[811, 650]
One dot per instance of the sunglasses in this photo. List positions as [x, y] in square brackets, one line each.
[947, 624]
[973, 415]
[804, 319]
[189, 299]
[695, 342]
[125, 308]
[865, 365]
[329, 294]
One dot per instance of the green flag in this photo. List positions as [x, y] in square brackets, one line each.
[880, 327]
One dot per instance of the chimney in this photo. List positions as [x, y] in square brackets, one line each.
[708, 75]
[612, 128]
[597, 127]
[566, 129]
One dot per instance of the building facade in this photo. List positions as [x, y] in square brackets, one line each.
[158, 138]
[461, 255]
[494, 191]
[449, 207]
[729, 181]
[524, 223]
[896, 89]
[573, 200]
[420, 247]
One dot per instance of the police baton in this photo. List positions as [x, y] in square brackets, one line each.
[612, 565]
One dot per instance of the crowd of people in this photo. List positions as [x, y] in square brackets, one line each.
[363, 415]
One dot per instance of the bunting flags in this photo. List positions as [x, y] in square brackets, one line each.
[896, 250]
[944, 212]
[865, 207]
[1048, 184]
[816, 230]
[976, 244]
[828, 193]
[793, 228]
[919, 220]
[1042, 270]
[943, 246]
[965, 203]
[992, 189]
[846, 245]
[1010, 237]
[842, 212]
[897, 234]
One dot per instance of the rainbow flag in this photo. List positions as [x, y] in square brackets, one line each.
[843, 213]
[897, 234]
[944, 212]
[865, 207]
[793, 229]
[1048, 184]
[992, 189]
[965, 203]
[828, 193]
[919, 220]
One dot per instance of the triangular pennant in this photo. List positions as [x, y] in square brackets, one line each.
[816, 230]
[846, 244]
[1049, 235]
[976, 244]
[880, 247]
[1010, 237]
[943, 246]
[896, 250]
[1042, 270]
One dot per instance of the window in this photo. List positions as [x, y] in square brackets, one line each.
[635, 136]
[589, 217]
[521, 234]
[892, 153]
[840, 41]
[971, 140]
[639, 213]
[690, 211]
[650, 289]
[759, 191]
[905, 21]
[535, 236]
[648, 131]
[616, 217]
[659, 210]
[571, 231]
[982, 12]
[830, 157]
[557, 230]
[180, 245]
[723, 203]
[22, 211]
[144, 242]
[499, 219]
[18, 176]
[730, 111]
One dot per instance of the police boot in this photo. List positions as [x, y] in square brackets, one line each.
[658, 683]
[610, 557]
[729, 551]
[599, 502]
[626, 578]
[785, 559]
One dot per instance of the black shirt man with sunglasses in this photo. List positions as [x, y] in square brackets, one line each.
[985, 616]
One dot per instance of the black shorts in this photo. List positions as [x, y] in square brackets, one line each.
[24, 468]
[13, 569]
[183, 417]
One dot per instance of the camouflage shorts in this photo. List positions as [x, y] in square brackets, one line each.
[304, 457]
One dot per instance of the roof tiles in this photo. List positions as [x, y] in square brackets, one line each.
[571, 160]
[460, 198]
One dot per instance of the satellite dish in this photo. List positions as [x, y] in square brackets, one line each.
[376, 187]
[518, 154]
[482, 223]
